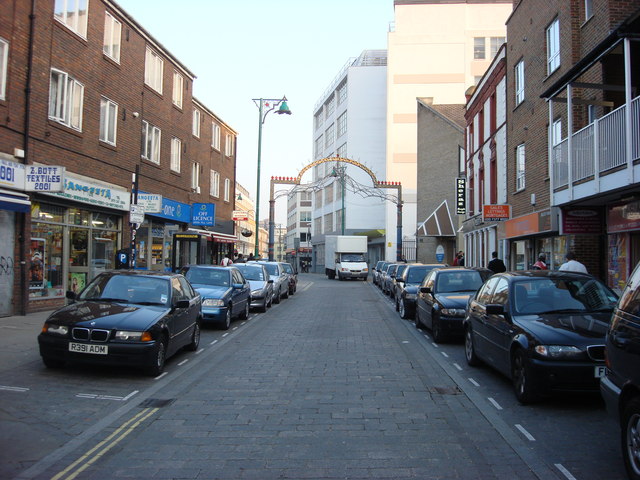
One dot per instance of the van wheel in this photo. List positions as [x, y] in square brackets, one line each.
[631, 438]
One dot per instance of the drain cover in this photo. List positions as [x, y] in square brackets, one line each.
[446, 390]
[156, 402]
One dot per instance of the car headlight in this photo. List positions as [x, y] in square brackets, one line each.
[212, 302]
[55, 329]
[131, 336]
[256, 293]
[365, 269]
[410, 296]
[453, 312]
[558, 351]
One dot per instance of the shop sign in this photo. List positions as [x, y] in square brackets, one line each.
[176, 211]
[538, 222]
[496, 213]
[624, 218]
[461, 196]
[203, 214]
[136, 213]
[151, 202]
[577, 221]
[12, 174]
[239, 216]
[439, 253]
[93, 192]
[44, 178]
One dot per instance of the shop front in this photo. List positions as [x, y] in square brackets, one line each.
[623, 242]
[530, 235]
[74, 236]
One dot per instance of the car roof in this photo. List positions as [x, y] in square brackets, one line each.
[142, 273]
[544, 274]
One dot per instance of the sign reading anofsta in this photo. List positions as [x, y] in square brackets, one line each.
[87, 190]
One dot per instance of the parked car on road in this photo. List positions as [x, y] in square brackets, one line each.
[620, 387]
[377, 271]
[443, 296]
[260, 283]
[292, 275]
[388, 278]
[125, 318]
[384, 275]
[280, 280]
[226, 294]
[392, 283]
[543, 329]
[407, 286]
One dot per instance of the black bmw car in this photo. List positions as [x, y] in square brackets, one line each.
[443, 296]
[127, 318]
[543, 329]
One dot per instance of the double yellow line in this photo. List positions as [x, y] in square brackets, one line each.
[103, 447]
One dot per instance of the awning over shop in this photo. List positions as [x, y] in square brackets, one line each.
[14, 201]
[438, 224]
[217, 236]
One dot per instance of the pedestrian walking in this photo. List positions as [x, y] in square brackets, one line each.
[496, 265]
[541, 264]
[460, 259]
[251, 258]
[239, 259]
[572, 265]
[226, 261]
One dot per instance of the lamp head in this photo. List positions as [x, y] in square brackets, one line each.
[284, 108]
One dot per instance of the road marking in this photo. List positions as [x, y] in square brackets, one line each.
[564, 471]
[405, 341]
[434, 344]
[215, 341]
[225, 334]
[183, 362]
[494, 403]
[200, 351]
[243, 322]
[457, 366]
[93, 396]
[474, 382]
[444, 354]
[13, 389]
[95, 453]
[525, 433]
[129, 396]
[235, 328]
[164, 374]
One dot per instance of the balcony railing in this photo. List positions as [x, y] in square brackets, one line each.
[600, 145]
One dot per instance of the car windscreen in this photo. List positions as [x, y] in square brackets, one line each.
[127, 288]
[287, 268]
[458, 281]
[272, 269]
[251, 273]
[208, 276]
[417, 274]
[352, 257]
[557, 295]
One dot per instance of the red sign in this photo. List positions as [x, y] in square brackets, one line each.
[623, 218]
[496, 213]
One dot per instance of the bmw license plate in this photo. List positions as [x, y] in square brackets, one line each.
[600, 371]
[87, 348]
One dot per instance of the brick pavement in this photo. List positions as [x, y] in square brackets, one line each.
[329, 384]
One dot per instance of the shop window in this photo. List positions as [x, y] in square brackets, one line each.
[45, 271]
[78, 245]
[78, 217]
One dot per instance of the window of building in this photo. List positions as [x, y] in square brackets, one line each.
[195, 128]
[319, 146]
[520, 167]
[178, 87]
[556, 132]
[214, 189]
[342, 93]
[108, 120]
[329, 135]
[553, 46]
[330, 106]
[73, 14]
[112, 33]
[195, 177]
[342, 124]
[496, 43]
[305, 216]
[342, 150]
[228, 145]
[317, 119]
[479, 48]
[66, 97]
[153, 66]
[176, 153]
[227, 189]
[519, 74]
[150, 142]
[4, 55]
[588, 9]
[215, 136]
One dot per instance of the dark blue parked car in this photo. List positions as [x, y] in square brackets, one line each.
[225, 293]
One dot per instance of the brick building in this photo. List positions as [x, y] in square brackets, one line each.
[88, 91]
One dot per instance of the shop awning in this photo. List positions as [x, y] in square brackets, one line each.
[14, 201]
[217, 236]
[438, 224]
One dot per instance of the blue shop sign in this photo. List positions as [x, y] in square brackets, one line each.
[203, 214]
[172, 210]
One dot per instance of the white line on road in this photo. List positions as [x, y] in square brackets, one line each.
[13, 389]
[457, 366]
[183, 362]
[434, 344]
[525, 433]
[161, 375]
[235, 328]
[200, 351]
[129, 396]
[564, 471]
[444, 354]
[405, 341]
[225, 334]
[494, 403]
[215, 341]
[474, 382]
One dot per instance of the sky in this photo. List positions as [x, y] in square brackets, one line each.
[241, 50]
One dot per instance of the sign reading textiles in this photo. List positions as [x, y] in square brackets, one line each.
[496, 213]
[203, 214]
[44, 178]
[93, 192]
[461, 196]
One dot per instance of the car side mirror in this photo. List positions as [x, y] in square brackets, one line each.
[495, 309]
[425, 289]
[237, 286]
[182, 304]
[270, 281]
[399, 280]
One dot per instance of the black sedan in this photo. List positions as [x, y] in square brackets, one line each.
[134, 319]
[443, 296]
[407, 286]
[543, 329]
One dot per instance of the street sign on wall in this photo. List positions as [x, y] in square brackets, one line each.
[461, 196]
[240, 215]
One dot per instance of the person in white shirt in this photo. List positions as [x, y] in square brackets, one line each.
[572, 265]
[226, 261]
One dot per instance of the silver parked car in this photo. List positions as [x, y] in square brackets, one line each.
[279, 277]
[261, 284]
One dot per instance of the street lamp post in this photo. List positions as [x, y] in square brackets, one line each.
[265, 105]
